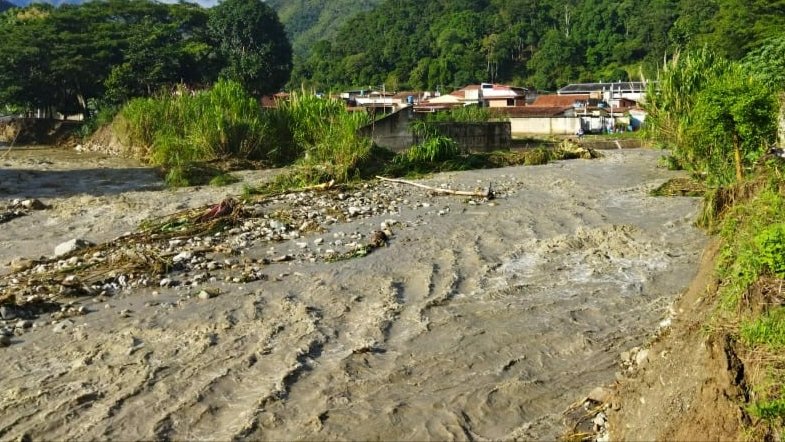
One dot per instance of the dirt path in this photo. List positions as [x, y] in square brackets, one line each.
[481, 320]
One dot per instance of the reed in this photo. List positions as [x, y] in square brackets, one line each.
[225, 122]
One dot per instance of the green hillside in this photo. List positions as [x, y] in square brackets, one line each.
[308, 21]
[541, 43]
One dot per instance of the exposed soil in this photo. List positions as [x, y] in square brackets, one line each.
[692, 386]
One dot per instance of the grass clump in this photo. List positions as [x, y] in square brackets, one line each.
[767, 330]
[538, 156]
[433, 149]
[746, 229]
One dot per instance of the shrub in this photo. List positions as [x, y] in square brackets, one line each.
[771, 248]
[226, 122]
[436, 148]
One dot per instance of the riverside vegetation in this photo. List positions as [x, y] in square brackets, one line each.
[719, 118]
[192, 136]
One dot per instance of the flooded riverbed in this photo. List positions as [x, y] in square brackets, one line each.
[478, 321]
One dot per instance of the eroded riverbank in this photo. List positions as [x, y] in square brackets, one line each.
[479, 320]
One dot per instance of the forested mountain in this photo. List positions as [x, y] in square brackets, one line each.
[21, 3]
[543, 43]
[61, 59]
[5, 5]
[308, 21]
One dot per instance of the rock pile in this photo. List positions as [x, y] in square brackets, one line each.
[230, 242]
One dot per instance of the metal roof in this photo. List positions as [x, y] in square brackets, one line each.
[622, 86]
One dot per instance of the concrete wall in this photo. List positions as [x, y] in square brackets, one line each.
[545, 125]
[392, 132]
[479, 137]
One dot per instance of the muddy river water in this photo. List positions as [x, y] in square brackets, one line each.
[478, 321]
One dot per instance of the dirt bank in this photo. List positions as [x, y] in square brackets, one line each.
[479, 320]
[691, 385]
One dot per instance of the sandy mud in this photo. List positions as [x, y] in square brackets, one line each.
[479, 320]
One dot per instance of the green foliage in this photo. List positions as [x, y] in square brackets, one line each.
[308, 21]
[177, 131]
[104, 115]
[771, 245]
[740, 263]
[326, 134]
[767, 62]
[60, 59]
[223, 179]
[253, 42]
[433, 149]
[734, 111]
[717, 118]
[767, 330]
[669, 162]
[465, 114]
[669, 102]
[770, 410]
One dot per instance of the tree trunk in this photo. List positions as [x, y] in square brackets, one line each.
[737, 158]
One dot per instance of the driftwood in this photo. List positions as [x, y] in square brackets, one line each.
[324, 186]
[487, 193]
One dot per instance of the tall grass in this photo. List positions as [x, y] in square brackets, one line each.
[326, 135]
[226, 122]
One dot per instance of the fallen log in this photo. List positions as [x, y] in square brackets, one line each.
[487, 193]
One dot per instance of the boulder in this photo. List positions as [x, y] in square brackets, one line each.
[72, 246]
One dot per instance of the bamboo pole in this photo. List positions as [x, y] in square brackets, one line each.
[487, 193]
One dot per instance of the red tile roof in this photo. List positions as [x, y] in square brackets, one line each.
[558, 100]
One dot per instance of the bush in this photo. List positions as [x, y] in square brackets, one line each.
[771, 248]
[436, 148]
[226, 122]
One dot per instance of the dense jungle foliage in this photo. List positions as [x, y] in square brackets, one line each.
[542, 43]
[65, 59]
[308, 21]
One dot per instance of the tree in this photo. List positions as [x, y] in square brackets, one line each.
[253, 43]
[733, 117]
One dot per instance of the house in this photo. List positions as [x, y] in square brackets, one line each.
[541, 120]
[441, 102]
[494, 95]
[484, 94]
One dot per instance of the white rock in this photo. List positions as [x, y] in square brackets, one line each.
[7, 313]
[71, 246]
[642, 356]
[183, 256]
[600, 419]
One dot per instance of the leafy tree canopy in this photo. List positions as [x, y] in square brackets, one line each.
[253, 43]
